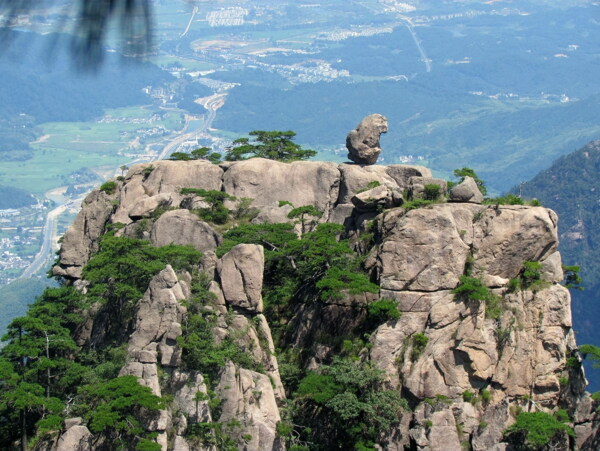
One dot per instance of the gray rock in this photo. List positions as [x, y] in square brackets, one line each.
[371, 199]
[241, 274]
[356, 178]
[417, 186]
[184, 228]
[76, 438]
[158, 324]
[273, 214]
[301, 183]
[145, 206]
[552, 268]
[510, 235]
[170, 176]
[80, 241]
[363, 142]
[423, 250]
[402, 173]
[248, 397]
[70, 422]
[466, 191]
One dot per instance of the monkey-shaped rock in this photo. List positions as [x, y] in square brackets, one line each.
[363, 142]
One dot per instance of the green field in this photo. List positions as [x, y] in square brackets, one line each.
[70, 146]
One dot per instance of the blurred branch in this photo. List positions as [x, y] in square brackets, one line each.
[93, 20]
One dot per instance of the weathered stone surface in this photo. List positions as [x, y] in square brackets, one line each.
[268, 182]
[185, 388]
[510, 235]
[363, 142]
[80, 241]
[75, 438]
[248, 397]
[497, 418]
[144, 207]
[548, 313]
[371, 199]
[170, 176]
[417, 186]
[355, 178]
[181, 444]
[184, 228]
[402, 173]
[424, 249]
[273, 214]
[466, 191]
[70, 422]
[158, 324]
[241, 275]
[552, 268]
[442, 435]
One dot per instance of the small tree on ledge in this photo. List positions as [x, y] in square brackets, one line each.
[274, 145]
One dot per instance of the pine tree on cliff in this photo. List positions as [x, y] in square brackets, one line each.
[273, 145]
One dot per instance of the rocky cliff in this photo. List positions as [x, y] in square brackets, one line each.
[474, 342]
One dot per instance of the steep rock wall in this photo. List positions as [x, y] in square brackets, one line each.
[465, 385]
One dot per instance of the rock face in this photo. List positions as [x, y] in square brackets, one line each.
[363, 142]
[466, 367]
[466, 191]
[184, 228]
[241, 275]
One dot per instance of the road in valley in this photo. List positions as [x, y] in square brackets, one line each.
[49, 244]
[49, 241]
[411, 29]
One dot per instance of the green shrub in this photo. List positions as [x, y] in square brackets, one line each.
[572, 277]
[383, 310]
[535, 430]
[509, 199]
[472, 288]
[531, 273]
[469, 396]
[337, 281]
[372, 184]
[592, 353]
[419, 342]
[180, 156]
[562, 416]
[348, 396]
[109, 187]
[514, 285]
[573, 362]
[147, 171]
[216, 213]
[485, 395]
[416, 203]
[274, 145]
[432, 191]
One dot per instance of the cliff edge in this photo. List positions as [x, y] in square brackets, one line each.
[475, 331]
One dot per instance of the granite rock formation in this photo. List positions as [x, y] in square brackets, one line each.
[363, 142]
[479, 366]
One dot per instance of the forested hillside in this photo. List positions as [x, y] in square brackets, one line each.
[37, 88]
